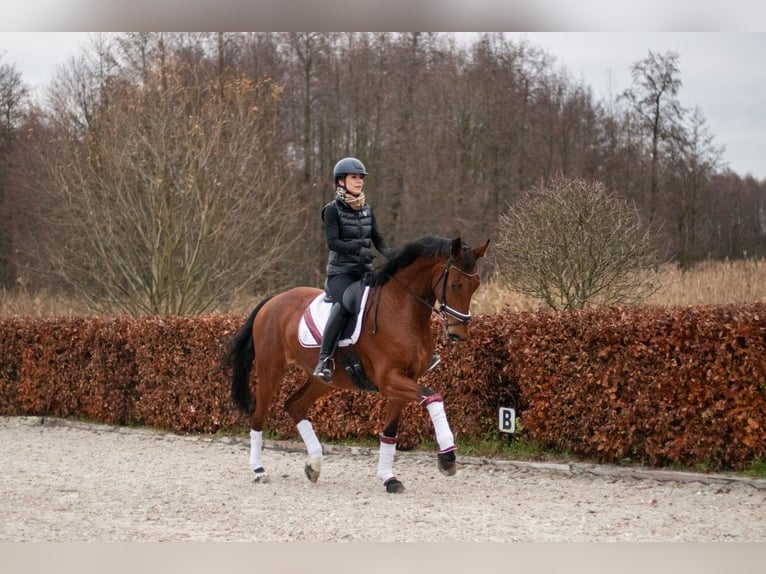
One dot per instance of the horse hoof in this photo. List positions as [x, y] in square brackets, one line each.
[447, 464]
[312, 469]
[393, 486]
[261, 477]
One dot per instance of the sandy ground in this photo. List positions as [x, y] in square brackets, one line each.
[71, 481]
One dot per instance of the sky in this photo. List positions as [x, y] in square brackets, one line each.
[722, 73]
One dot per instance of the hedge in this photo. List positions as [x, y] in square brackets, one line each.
[653, 384]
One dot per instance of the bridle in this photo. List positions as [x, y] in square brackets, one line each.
[445, 310]
[441, 308]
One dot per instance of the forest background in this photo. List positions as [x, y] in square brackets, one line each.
[181, 172]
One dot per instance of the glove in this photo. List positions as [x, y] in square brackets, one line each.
[365, 255]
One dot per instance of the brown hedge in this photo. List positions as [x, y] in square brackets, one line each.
[659, 385]
[666, 386]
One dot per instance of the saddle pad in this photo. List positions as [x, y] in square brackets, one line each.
[315, 317]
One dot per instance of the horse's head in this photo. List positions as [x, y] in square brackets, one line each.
[456, 286]
[453, 277]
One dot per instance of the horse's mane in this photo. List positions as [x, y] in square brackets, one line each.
[406, 254]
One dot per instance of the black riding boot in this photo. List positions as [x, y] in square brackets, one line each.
[332, 331]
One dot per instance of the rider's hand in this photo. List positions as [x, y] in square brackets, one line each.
[365, 255]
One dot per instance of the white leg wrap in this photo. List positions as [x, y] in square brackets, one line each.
[386, 458]
[256, 449]
[310, 439]
[444, 437]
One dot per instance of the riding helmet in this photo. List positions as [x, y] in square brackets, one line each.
[348, 165]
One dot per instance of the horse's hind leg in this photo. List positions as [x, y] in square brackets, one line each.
[256, 442]
[268, 377]
[387, 450]
[256, 456]
[297, 406]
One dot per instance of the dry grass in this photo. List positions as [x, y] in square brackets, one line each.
[493, 298]
[709, 283]
[742, 281]
[40, 304]
[713, 283]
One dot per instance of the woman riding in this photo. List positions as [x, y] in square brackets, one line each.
[350, 231]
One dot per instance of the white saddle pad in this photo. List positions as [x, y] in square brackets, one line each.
[315, 317]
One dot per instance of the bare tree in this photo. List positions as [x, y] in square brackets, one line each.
[653, 96]
[13, 95]
[570, 243]
[451, 133]
[171, 200]
[693, 160]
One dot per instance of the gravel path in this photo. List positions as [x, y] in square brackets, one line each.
[70, 481]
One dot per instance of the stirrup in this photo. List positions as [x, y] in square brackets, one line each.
[435, 360]
[324, 369]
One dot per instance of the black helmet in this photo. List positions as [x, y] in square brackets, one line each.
[348, 165]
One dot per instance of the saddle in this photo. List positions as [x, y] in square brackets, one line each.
[315, 317]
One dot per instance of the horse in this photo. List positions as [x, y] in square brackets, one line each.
[425, 276]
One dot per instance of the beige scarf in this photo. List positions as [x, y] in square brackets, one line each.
[355, 202]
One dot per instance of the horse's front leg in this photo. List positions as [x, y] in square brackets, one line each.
[297, 406]
[314, 448]
[434, 404]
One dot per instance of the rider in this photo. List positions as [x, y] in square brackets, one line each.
[351, 231]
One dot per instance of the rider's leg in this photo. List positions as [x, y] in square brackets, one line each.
[336, 321]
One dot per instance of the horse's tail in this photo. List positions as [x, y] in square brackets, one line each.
[240, 358]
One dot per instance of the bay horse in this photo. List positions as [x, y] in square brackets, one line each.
[394, 348]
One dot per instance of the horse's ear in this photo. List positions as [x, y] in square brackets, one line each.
[456, 248]
[481, 250]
